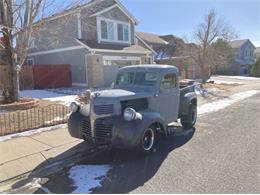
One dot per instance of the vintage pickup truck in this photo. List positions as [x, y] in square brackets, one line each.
[142, 102]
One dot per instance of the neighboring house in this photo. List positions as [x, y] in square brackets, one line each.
[243, 58]
[172, 50]
[257, 52]
[96, 39]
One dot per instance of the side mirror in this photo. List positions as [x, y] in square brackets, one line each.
[112, 85]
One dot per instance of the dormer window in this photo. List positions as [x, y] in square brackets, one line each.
[123, 32]
[113, 31]
[107, 30]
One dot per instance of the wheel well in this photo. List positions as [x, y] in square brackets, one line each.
[194, 101]
[159, 128]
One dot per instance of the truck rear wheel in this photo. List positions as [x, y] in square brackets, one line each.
[189, 120]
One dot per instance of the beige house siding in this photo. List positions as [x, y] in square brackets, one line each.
[187, 67]
[58, 33]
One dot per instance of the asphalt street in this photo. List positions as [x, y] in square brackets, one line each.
[222, 155]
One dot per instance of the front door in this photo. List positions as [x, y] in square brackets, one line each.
[168, 97]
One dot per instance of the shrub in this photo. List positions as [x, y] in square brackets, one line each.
[255, 71]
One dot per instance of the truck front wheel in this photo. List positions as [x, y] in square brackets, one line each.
[189, 120]
[147, 141]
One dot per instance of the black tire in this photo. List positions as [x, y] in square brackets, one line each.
[147, 141]
[188, 121]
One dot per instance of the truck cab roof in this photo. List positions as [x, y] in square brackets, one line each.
[151, 67]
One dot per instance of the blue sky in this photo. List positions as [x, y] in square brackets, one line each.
[180, 17]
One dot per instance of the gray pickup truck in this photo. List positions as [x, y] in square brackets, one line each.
[143, 101]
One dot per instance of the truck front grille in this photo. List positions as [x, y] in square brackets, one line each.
[86, 129]
[103, 130]
[104, 109]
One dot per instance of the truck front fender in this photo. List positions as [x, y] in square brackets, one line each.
[128, 133]
[185, 102]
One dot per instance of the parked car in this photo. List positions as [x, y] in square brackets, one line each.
[143, 101]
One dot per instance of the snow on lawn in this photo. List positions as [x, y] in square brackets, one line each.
[48, 95]
[241, 77]
[221, 104]
[87, 177]
[206, 91]
[31, 132]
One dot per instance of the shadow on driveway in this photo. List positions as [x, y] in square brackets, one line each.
[129, 171]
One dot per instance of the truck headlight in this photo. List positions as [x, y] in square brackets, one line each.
[74, 107]
[131, 114]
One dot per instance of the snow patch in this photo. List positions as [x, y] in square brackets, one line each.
[241, 77]
[226, 82]
[31, 132]
[66, 100]
[87, 177]
[56, 119]
[69, 90]
[48, 95]
[36, 183]
[41, 94]
[206, 91]
[221, 104]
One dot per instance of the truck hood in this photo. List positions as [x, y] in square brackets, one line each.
[121, 94]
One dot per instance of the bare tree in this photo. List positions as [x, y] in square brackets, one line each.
[208, 32]
[17, 20]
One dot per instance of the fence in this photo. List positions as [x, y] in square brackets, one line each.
[52, 76]
[23, 120]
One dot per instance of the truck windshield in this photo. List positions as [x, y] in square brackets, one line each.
[137, 78]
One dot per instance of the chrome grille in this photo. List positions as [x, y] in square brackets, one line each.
[103, 130]
[86, 129]
[104, 109]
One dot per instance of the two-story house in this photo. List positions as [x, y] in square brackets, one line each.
[96, 39]
[244, 56]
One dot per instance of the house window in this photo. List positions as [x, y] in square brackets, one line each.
[122, 32]
[113, 31]
[107, 30]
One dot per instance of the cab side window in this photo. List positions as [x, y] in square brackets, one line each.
[169, 81]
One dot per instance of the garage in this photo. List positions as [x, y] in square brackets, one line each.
[113, 63]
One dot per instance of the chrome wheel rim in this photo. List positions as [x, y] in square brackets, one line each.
[194, 115]
[148, 139]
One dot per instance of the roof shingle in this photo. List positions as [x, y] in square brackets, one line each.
[151, 38]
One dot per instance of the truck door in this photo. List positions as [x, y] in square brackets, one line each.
[168, 99]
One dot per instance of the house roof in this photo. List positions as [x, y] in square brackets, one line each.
[96, 11]
[95, 46]
[151, 38]
[170, 37]
[119, 6]
[239, 43]
[69, 11]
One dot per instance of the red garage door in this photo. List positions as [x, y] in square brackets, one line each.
[52, 76]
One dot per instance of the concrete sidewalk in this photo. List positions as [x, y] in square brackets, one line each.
[26, 154]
